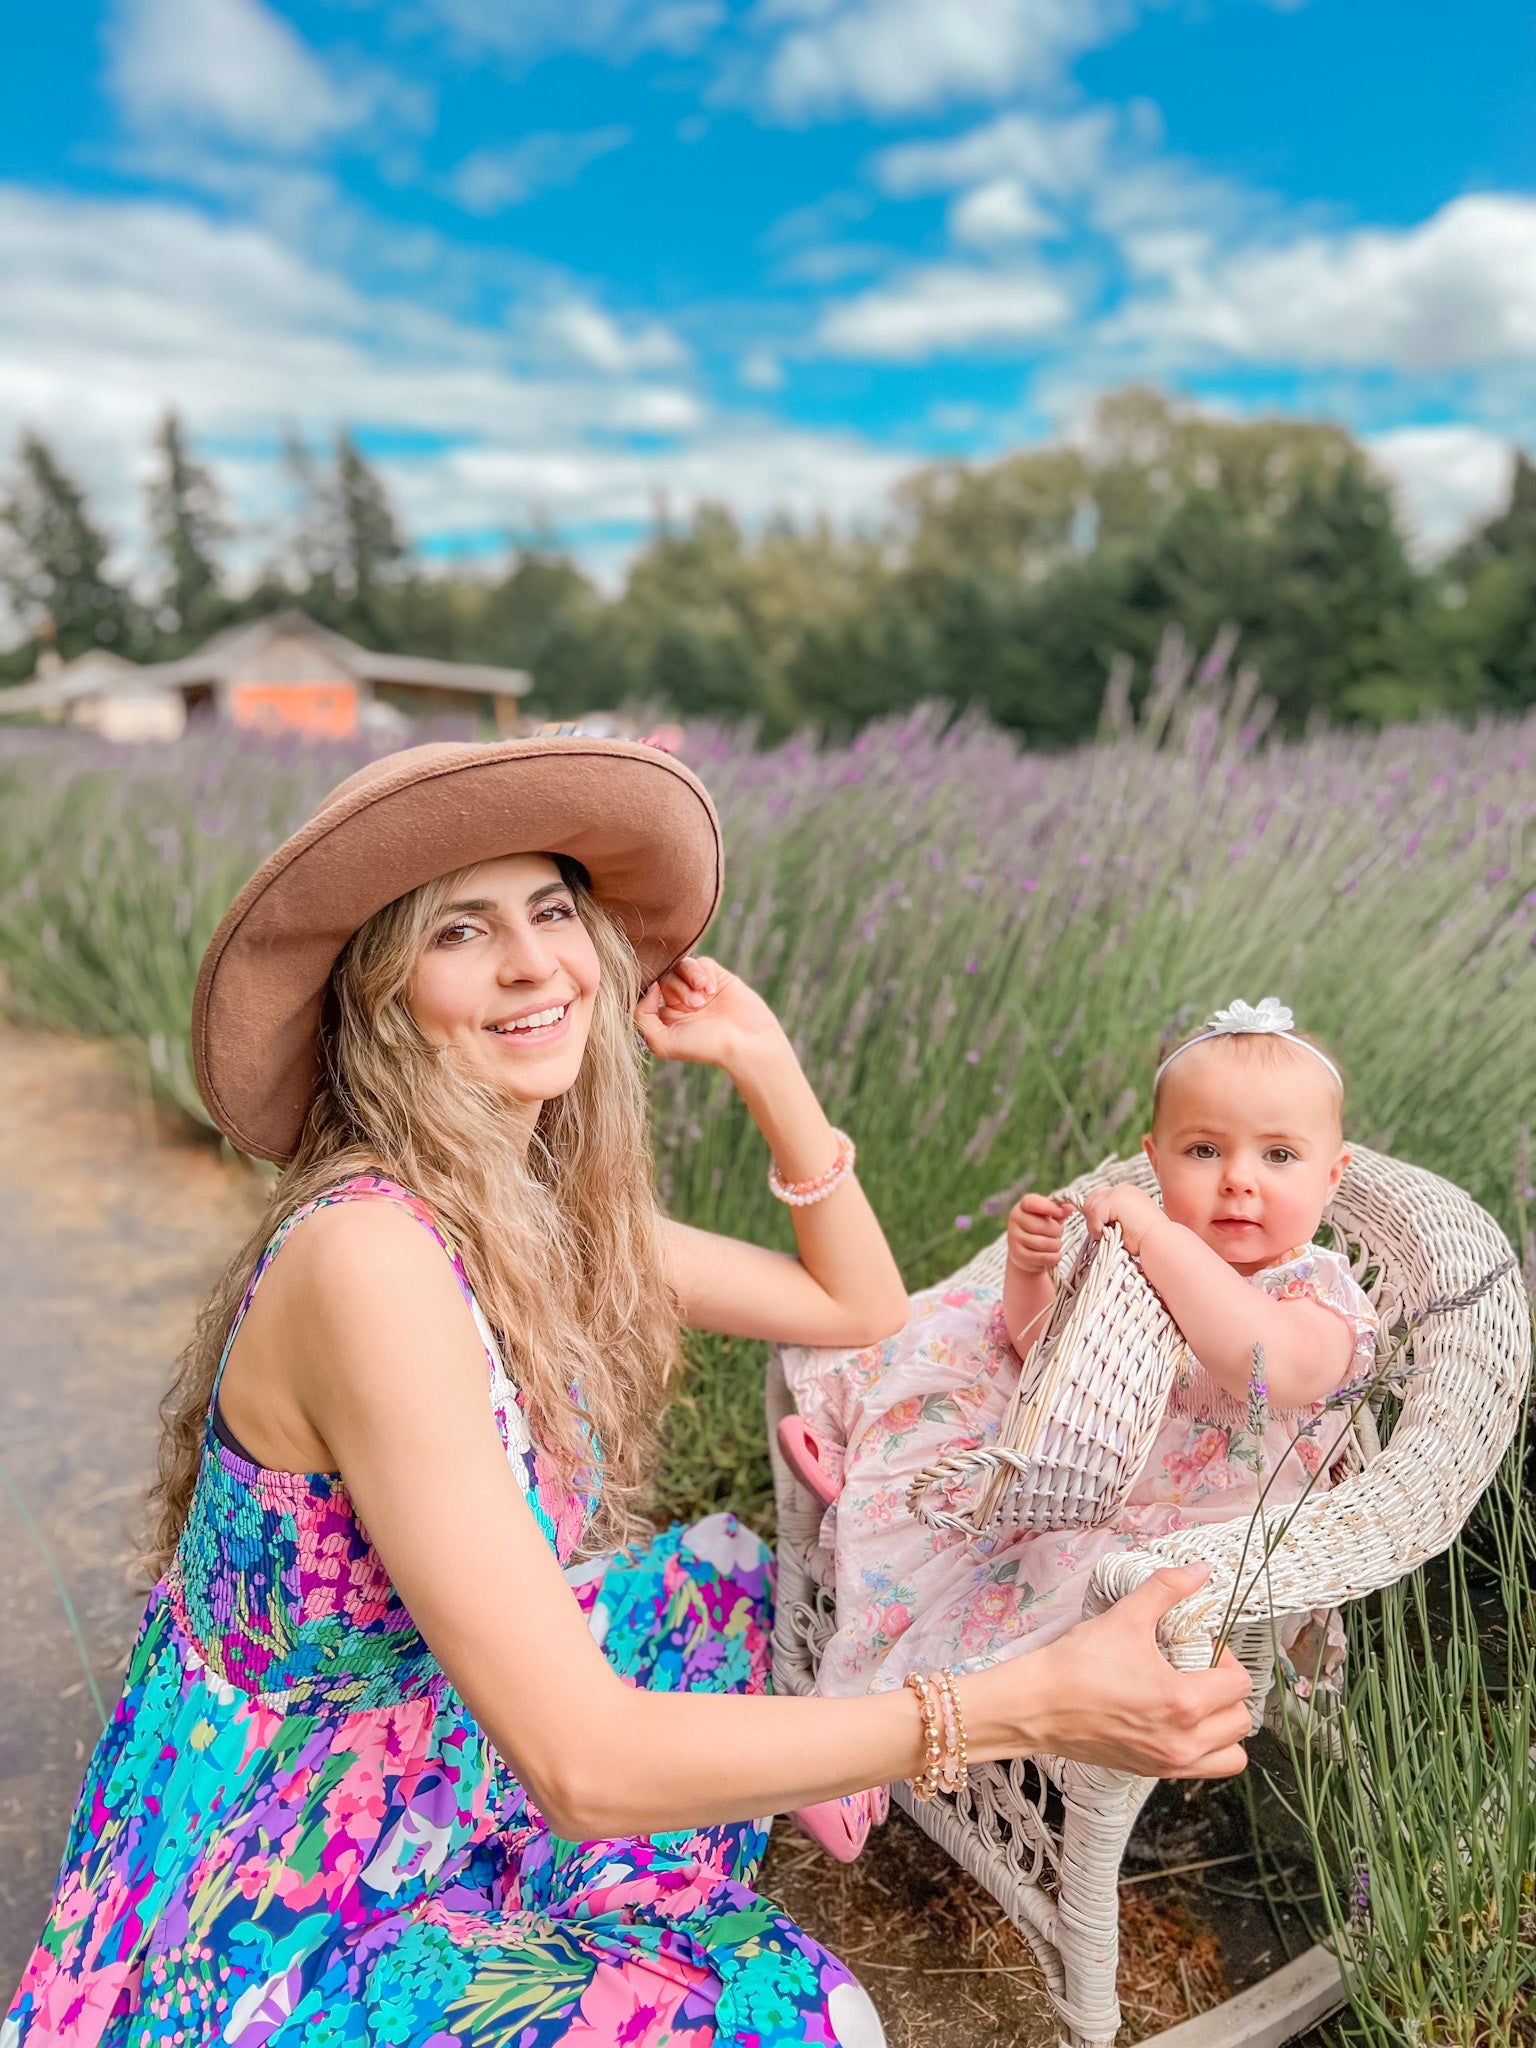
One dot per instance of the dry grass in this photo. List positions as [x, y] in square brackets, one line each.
[947, 1968]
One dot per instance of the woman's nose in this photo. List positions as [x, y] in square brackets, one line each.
[526, 956]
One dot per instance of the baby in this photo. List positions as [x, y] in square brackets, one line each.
[1247, 1145]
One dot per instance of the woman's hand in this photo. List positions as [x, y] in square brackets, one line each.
[1132, 1208]
[1105, 1694]
[1034, 1233]
[700, 1011]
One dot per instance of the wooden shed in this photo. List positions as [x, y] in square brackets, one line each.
[284, 673]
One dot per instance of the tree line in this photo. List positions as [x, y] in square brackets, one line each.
[1015, 585]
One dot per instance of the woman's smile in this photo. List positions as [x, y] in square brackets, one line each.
[535, 1027]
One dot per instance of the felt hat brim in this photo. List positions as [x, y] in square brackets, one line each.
[641, 824]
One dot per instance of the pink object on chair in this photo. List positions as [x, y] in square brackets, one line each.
[815, 1462]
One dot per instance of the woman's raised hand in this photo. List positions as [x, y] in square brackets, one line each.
[1034, 1233]
[702, 1012]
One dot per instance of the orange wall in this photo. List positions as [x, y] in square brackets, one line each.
[320, 710]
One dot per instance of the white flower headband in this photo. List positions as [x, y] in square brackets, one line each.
[1270, 1020]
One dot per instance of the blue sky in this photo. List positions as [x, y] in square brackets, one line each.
[557, 261]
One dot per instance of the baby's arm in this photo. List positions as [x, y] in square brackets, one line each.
[1029, 1281]
[1308, 1349]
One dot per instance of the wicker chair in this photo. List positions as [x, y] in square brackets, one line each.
[1046, 1835]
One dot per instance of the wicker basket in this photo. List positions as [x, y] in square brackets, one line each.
[1084, 1415]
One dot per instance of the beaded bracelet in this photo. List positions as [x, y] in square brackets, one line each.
[928, 1785]
[801, 1193]
[944, 1758]
[956, 1773]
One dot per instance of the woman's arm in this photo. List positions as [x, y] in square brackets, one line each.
[844, 1288]
[1307, 1348]
[391, 1375]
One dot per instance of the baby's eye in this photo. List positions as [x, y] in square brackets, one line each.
[1202, 1151]
[1278, 1155]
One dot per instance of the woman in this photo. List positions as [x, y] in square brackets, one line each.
[391, 1764]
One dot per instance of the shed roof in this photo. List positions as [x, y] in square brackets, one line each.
[272, 649]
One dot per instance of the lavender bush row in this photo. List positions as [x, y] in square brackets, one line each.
[975, 948]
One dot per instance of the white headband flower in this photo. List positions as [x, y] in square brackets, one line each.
[1268, 1018]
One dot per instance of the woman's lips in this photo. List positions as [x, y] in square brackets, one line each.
[546, 1034]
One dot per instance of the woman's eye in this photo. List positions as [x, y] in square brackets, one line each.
[558, 912]
[455, 934]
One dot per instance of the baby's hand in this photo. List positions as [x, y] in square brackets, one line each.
[1134, 1211]
[1034, 1233]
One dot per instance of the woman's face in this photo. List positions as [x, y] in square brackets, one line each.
[508, 977]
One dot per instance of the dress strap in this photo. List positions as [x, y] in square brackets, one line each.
[364, 1187]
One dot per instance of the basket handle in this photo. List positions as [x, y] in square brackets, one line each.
[1022, 1416]
[1026, 1404]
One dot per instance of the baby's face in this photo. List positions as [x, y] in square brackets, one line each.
[1247, 1148]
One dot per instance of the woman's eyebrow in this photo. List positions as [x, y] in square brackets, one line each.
[480, 904]
[549, 889]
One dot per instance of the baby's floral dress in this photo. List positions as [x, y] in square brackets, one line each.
[914, 1598]
[293, 1834]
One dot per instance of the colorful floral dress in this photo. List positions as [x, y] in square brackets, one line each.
[914, 1598]
[293, 1833]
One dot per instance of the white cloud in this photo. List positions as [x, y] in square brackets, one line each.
[127, 307]
[907, 56]
[1456, 292]
[1047, 153]
[596, 339]
[944, 310]
[761, 370]
[1446, 478]
[998, 212]
[491, 180]
[233, 69]
[617, 29]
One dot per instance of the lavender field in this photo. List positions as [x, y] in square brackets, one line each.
[975, 948]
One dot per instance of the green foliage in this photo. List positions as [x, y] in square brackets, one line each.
[1425, 1824]
[53, 559]
[189, 526]
[1015, 587]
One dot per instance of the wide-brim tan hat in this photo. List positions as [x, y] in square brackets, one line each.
[639, 822]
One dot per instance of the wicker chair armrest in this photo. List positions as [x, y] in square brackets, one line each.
[1375, 1528]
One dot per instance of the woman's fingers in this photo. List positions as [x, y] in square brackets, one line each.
[1109, 1696]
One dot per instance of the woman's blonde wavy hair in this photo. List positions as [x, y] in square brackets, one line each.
[563, 1245]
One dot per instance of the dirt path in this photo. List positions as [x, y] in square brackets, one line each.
[112, 1226]
[110, 1229]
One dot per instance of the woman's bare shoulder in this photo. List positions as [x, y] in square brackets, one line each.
[375, 1251]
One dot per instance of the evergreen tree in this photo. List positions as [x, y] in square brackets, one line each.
[189, 527]
[347, 561]
[371, 550]
[53, 558]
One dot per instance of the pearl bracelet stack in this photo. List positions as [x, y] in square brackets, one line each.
[944, 1761]
[801, 1193]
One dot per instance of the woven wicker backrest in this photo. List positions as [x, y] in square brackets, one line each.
[1412, 1238]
